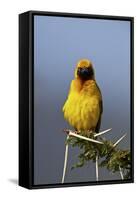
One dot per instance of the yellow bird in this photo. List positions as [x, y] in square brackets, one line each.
[83, 107]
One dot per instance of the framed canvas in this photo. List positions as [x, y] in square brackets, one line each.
[75, 99]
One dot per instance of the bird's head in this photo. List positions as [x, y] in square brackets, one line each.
[84, 70]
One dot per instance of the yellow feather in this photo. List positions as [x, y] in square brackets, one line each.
[82, 107]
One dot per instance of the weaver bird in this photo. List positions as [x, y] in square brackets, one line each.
[83, 107]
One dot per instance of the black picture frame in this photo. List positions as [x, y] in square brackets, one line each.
[26, 96]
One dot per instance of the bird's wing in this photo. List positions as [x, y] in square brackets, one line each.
[70, 89]
[101, 111]
[99, 120]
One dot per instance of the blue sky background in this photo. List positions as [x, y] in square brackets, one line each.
[58, 44]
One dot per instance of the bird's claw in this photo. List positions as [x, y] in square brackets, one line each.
[66, 131]
[76, 132]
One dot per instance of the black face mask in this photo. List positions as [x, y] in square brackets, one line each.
[85, 73]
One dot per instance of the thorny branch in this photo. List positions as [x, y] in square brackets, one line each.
[93, 147]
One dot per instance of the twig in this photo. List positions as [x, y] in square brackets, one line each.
[97, 167]
[101, 133]
[65, 161]
[118, 141]
[121, 173]
[84, 138]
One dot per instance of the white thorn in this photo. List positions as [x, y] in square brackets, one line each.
[118, 141]
[102, 132]
[84, 138]
[65, 161]
[121, 173]
[96, 167]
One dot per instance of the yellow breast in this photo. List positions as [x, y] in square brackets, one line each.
[81, 108]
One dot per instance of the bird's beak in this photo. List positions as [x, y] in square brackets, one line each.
[85, 73]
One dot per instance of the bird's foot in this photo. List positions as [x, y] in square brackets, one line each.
[66, 131]
[76, 132]
[90, 131]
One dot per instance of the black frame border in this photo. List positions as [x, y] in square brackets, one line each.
[26, 144]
